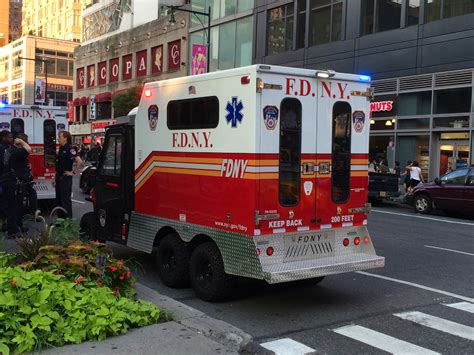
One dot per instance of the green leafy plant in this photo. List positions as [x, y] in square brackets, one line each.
[30, 244]
[123, 103]
[64, 231]
[40, 308]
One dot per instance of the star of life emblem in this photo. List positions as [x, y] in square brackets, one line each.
[234, 113]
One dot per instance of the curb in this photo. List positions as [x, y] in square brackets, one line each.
[221, 332]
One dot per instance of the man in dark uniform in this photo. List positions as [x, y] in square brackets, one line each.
[65, 160]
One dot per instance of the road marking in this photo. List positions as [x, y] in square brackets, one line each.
[454, 251]
[76, 201]
[441, 324]
[287, 346]
[381, 341]
[418, 285]
[423, 217]
[463, 306]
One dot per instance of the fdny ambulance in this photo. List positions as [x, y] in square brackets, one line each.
[258, 172]
[41, 124]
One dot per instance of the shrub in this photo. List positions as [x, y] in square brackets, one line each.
[39, 308]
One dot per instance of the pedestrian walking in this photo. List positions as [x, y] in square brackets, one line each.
[65, 171]
[406, 174]
[415, 175]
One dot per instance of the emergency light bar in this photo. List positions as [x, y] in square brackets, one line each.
[365, 78]
[324, 74]
[3, 105]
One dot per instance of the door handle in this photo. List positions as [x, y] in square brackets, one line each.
[308, 168]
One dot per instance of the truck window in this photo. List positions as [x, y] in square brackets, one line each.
[290, 152]
[341, 152]
[49, 141]
[112, 159]
[196, 113]
[18, 126]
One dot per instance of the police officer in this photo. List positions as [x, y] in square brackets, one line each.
[65, 160]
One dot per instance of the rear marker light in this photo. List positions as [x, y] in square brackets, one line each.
[147, 93]
[345, 242]
[356, 240]
[245, 80]
[269, 251]
[366, 240]
[258, 251]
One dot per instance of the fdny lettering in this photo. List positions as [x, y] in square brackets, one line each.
[334, 90]
[234, 168]
[307, 238]
[288, 223]
[299, 87]
[191, 140]
[23, 113]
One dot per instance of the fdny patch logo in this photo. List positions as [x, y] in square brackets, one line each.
[61, 127]
[358, 120]
[4, 126]
[153, 112]
[234, 112]
[270, 117]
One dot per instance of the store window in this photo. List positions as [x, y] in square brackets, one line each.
[341, 152]
[410, 148]
[451, 122]
[198, 113]
[103, 110]
[280, 29]
[219, 9]
[413, 123]
[452, 100]
[325, 21]
[290, 152]
[301, 24]
[380, 149]
[380, 15]
[413, 12]
[84, 113]
[417, 103]
[440, 9]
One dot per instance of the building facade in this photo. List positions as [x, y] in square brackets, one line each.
[10, 21]
[420, 54]
[19, 70]
[114, 63]
[59, 19]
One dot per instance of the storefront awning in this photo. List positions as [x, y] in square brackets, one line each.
[103, 97]
[84, 100]
[77, 102]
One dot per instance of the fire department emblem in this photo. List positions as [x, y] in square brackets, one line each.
[358, 120]
[102, 218]
[270, 117]
[308, 187]
[4, 126]
[234, 111]
[153, 117]
[60, 127]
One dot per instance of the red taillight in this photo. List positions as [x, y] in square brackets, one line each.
[124, 231]
[93, 197]
[366, 240]
[269, 251]
[345, 242]
[245, 80]
[258, 251]
[356, 240]
[147, 93]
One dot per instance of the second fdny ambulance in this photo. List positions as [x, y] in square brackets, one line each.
[259, 172]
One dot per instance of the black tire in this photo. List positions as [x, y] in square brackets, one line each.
[208, 278]
[422, 204]
[172, 261]
[309, 282]
[88, 226]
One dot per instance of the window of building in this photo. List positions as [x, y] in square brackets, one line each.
[380, 15]
[452, 100]
[243, 42]
[51, 64]
[439, 9]
[413, 12]
[325, 21]
[103, 110]
[301, 24]
[227, 45]
[413, 123]
[228, 7]
[414, 147]
[197, 113]
[417, 103]
[280, 29]
[451, 122]
[17, 97]
[84, 113]
[290, 152]
[62, 67]
[219, 9]
[341, 152]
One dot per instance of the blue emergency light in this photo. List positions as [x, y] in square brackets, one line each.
[2, 104]
[364, 77]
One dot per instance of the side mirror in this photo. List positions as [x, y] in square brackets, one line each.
[437, 181]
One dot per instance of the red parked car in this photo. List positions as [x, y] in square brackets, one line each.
[453, 192]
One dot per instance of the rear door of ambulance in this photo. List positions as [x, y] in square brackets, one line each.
[287, 125]
[342, 146]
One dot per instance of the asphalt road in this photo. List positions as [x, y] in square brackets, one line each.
[400, 308]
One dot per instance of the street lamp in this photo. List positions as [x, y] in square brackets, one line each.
[207, 14]
[44, 61]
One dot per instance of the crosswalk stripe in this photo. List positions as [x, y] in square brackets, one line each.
[441, 324]
[463, 306]
[287, 346]
[381, 341]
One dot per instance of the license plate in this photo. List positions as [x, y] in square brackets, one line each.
[309, 246]
[383, 193]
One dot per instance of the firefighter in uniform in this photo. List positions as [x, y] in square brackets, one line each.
[65, 160]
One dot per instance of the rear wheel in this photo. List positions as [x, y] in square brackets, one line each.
[172, 260]
[88, 226]
[422, 204]
[208, 278]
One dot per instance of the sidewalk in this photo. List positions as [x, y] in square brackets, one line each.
[192, 332]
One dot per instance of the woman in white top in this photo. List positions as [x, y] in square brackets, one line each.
[415, 175]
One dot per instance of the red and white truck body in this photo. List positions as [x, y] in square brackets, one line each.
[269, 162]
[41, 124]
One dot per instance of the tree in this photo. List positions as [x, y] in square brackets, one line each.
[123, 103]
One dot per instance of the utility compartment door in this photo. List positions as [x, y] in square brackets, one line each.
[343, 122]
[286, 200]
